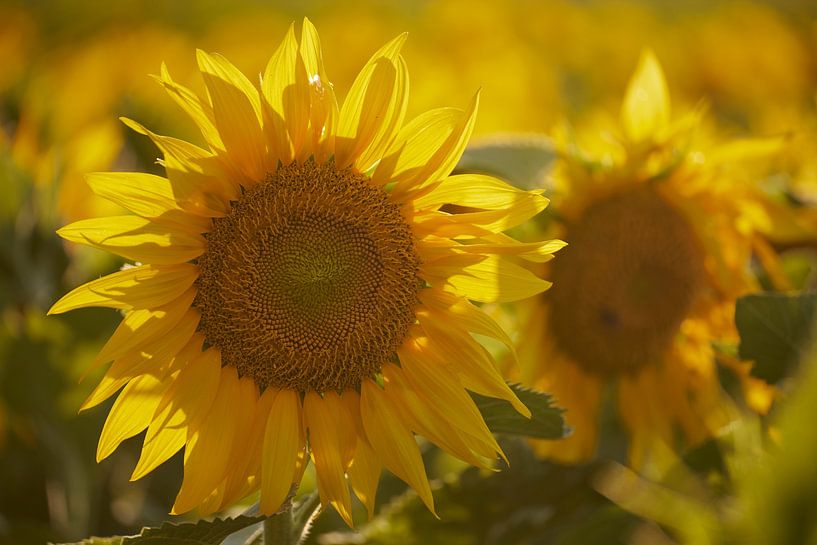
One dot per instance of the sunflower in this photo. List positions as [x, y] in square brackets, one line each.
[300, 293]
[660, 236]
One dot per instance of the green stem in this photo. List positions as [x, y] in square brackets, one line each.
[278, 529]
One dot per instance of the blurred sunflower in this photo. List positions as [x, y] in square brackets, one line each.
[302, 293]
[660, 236]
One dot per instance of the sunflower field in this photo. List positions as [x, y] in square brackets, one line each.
[429, 272]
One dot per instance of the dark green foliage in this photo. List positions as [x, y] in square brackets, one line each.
[775, 329]
[545, 423]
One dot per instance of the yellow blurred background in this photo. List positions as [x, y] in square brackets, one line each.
[70, 69]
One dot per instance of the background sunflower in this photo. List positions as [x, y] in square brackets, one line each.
[661, 234]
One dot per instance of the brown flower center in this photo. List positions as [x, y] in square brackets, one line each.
[625, 282]
[311, 281]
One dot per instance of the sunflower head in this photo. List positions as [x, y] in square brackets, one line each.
[659, 247]
[303, 293]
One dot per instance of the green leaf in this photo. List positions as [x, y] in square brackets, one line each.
[530, 502]
[775, 329]
[304, 512]
[200, 533]
[523, 160]
[115, 540]
[545, 423]
[778, 487]
[203, 532]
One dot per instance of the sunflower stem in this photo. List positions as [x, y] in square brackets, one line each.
[278, 528]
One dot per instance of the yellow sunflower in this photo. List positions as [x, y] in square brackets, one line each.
[660, 236]
[299, 294]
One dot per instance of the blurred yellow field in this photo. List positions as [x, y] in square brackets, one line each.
[525, 272]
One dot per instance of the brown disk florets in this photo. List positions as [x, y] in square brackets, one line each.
[311, 281]
[625, 282]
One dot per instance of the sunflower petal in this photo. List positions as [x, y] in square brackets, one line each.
[444, 159]
[393, 443]
[142, 326]
[364, 470]
[208, 450]
[131, 413]
[393, 119]
[408, 156]
[153, 358]
[242, 413]
[237, 114]
[471, 363]
[468, 316]
[483, 223]
[199, 182]
[146, 286]
[145, 195]
[374, 106]
[199, 111]
[285, 89]
[477, 191]
[439, 387]
[535, 252]
[328, 422]
[324, 112]
[180, 411]
[425, 420]
[137, 239]
[244, 478]
[213, 502]
[488, 279]
[282, 442]
[646, 107]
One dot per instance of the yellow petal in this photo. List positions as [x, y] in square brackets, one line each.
[286, 92]
[282, 442]
[243, 479]
[393, 443]
[415, 146]
[364, 471]
[646, 107]
[470, 362]
[483, 223]
[131, 413]
[374, 107]
[237, 114]
[164, 443]
[199, 182]
[324, 112]
[137, 239]
[142, 326]
[213, 502]
[488, 279]
[180, 411]
[329, 422]
[744, 149]
[199, 111]
[208, 449]
[499, 244]
[145, 195]
[446, 139]
[364, 475]
[390, 122]
[152, 357]
[477, 191]
[147, 286]
[460, 311]
[240, 454]
[425, 420]
[535, 252]
[441, 389]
